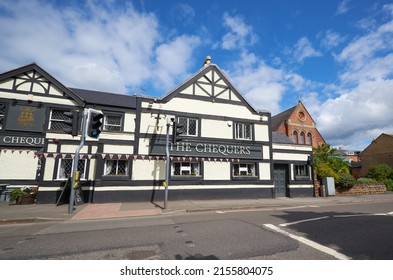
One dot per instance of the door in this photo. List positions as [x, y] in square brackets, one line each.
[280, 180]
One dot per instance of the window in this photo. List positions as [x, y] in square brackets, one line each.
[295, 137]
[309, 138]
[190, 126]
[302, 138]
[301, 171]
[116, 168]
[65, 168]
[2, 114]
[57, 119]
[186, 169]
[112, 122]
[243, 131]
[244, 169]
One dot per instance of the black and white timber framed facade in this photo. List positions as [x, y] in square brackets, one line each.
[227, 150]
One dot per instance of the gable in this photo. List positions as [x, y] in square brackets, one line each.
[382, 145]
[33, 80]
[209, 84]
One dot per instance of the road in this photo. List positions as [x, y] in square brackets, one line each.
[348, 231]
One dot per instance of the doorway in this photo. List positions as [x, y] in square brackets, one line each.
[280, 180]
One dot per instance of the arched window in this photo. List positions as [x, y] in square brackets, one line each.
[302, 138]
[295, 137]
[309, 138]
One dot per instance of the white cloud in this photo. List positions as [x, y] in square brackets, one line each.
[360, 108]
[303, 49]
[331, 39]
[259, 83]
[362, 51]
[101, 45]
[240, 34]
[342, 7]
[171, 59]
[183, 13]
[356, 113]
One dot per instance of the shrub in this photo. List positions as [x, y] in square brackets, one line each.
[366, 181]
[346, 181]
[324, 170]
[380, 172]
[389, 184]
[15, 194]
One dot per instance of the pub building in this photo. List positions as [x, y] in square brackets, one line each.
[226, 148]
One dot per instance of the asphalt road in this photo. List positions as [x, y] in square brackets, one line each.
[353, 231]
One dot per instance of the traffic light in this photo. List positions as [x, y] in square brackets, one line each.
[71, 123]
[95, 123]
[177, 130]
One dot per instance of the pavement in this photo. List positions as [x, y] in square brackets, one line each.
[50, 212]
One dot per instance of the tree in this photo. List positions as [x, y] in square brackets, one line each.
[328, 164]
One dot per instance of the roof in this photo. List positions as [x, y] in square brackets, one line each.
[35, 67]
[279, 119]
[202, 72]
[106, 98]
[282, 138]
[382, 144]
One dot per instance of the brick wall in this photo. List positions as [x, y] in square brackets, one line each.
[361, 190]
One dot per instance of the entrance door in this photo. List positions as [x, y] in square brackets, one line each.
[280, 180]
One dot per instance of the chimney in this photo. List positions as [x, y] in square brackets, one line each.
[207, 60]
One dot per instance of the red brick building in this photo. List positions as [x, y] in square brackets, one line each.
[298, 125]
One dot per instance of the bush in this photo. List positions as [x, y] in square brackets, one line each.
[389, 184]
[380, 172]
[323, 169]
[15, 194]
[366, 181]
[346, 181]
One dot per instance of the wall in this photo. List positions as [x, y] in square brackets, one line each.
[361, 190]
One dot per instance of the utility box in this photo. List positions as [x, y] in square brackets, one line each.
[330, 189]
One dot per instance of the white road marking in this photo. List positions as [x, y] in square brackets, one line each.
[310, 243]
[360, 215]
[304, 221]
[278, 208]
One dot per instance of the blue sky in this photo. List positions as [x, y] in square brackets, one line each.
[336, 55]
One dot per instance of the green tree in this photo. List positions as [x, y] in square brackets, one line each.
[328, 164]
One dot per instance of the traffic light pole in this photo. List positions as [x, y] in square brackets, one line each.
[168, 125]
[76, 161]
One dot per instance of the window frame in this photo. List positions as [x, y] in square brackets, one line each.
[239, 177]
[301, 171]
[104, 125]
[127, 168]
[295, 137]
[185, 177]
[243, 126]
[302, 138]
[82, 176]
[309, 139]
[51, 120]
[186, 128]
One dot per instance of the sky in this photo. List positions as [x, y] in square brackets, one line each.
[336, 56]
